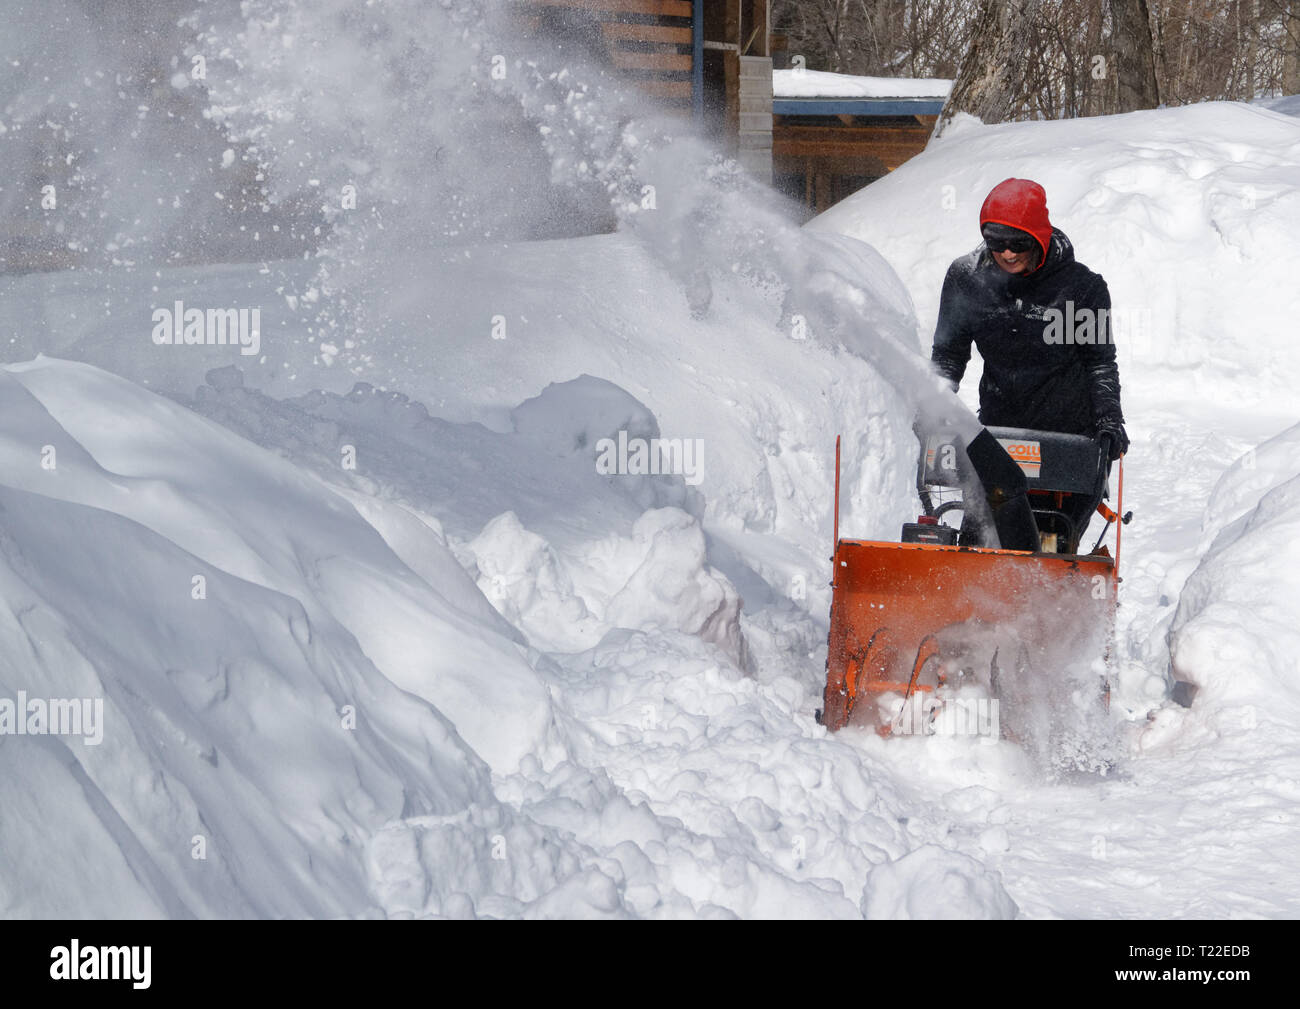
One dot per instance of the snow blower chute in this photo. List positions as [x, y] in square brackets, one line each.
[914, 623]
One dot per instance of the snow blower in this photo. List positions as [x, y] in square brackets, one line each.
[950, 623]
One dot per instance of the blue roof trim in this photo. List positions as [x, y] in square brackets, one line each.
[857, 106]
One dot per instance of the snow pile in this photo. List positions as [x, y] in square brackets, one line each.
[1234, 634]
[240, 629]
[259, 758]
[1259, 471]
[249, 743]
[680, 786]
[288, 709]
[932, 883]
[328, 559]
[532, 551]
[658, 578]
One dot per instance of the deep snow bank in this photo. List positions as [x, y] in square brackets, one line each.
[271, 674]
[564, 552]
[291, 734]
[1234, 633]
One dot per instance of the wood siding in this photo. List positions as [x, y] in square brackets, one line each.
[650, 42]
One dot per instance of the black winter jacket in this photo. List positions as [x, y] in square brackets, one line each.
[1042, 369]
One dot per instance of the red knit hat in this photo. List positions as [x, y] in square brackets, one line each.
[1019, 203]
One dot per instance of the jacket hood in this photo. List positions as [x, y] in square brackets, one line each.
[1022, 204]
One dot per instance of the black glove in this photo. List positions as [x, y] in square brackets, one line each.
[1113, 438]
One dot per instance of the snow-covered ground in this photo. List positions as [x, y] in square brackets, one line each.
[376, 631]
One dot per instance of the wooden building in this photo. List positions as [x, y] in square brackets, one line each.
[737, 80]
[708, 59]
[817, 136]
[834, 134]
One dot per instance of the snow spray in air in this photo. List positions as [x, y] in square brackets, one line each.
[506, 136]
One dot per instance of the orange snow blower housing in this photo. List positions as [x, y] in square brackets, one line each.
[916, 620]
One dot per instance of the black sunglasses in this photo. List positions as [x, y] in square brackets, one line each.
[1017, 245]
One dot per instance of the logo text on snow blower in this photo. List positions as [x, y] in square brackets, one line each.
[75, 962]
[1028, 455]
[57, 716]
[959, 716]
[195, 327]
[651, 457]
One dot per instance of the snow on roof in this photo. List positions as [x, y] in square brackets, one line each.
[802, 83]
